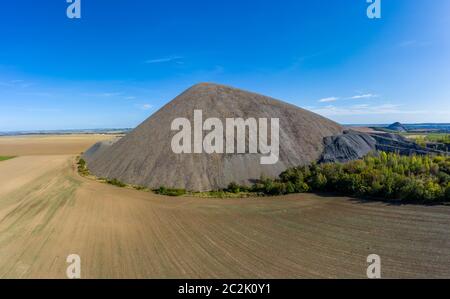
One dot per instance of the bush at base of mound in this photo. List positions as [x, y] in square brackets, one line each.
[82, 168]
[170, 192]
[116, 182]
[385, 176]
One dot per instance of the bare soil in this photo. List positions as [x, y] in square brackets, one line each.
[48, 144]
[48, 212]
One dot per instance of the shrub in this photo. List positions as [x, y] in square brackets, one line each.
[82, 167]
[233, 188]
[290, 188]
[140, 188]
[170, 192]
[301, 187]
[116, 182]
[432, 191]
[447, 192]
[318, 181]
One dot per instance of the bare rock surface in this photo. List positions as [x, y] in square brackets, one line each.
[347, 147]
[144, 156]
[353, 145]
[98, 148]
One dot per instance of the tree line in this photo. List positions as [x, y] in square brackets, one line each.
[387, 176]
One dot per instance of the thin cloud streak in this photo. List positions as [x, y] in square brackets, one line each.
[356, 97]
[364, 96]
[165, 60]
[365, 109]
[328, 100]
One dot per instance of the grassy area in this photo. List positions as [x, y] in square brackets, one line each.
[428, 137]
[438, 141]
[443, 138]
[4, 158]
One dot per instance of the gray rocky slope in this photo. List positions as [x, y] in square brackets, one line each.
[352, 145]
[144, 156]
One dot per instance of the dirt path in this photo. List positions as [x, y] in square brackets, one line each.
[47, 212]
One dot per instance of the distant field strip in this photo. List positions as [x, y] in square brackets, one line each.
[48, 144]
[48, 212]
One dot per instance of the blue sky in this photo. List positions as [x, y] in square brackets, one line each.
[123, 60]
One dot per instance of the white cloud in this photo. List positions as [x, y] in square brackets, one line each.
[364, 109]
[328, 100]
[165, 60]
[364, 96]
[146, 107]
[355, 97]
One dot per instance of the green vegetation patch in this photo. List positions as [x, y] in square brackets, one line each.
[239, 192]
[423, 139]
[116, 182]
[170, 192]
[385, 176]
[223, 194]
[82, 167]
[4, 158]
[83, 170]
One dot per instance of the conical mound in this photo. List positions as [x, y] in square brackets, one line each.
[145, 157]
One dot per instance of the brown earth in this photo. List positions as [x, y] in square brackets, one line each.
[48, 144]
[48, 212]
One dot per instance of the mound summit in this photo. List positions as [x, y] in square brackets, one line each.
[144, 156]
[397, 127]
